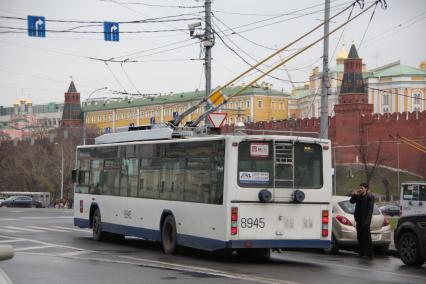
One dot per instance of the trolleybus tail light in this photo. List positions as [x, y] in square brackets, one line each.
[343, 220]
[325, 221]
[81, 206]
[325, 147]
[234, 220]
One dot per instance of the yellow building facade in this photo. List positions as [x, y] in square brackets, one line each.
[256, 103]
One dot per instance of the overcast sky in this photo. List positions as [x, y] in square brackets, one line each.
[40, 68]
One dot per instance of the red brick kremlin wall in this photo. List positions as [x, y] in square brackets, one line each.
[365, 129]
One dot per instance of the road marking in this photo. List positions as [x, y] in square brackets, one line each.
[49, 229]
[73, 229]
[36, 247]
[196, 269]
[46, 218]
[8, 219]
[24, 229]
[12, 241]
[47, 244]
[9, 231]
[74, 253]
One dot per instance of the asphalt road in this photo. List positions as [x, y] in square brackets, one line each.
[49, 249]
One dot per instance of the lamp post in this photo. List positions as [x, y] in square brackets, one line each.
[84, 113]
[62, 169]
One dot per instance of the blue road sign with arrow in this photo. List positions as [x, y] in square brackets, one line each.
[111, 31]
[36, 26]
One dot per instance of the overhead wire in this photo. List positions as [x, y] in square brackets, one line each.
[115, 77]
[368, 25]
[284, 61]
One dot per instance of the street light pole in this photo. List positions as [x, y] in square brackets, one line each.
[84, 113]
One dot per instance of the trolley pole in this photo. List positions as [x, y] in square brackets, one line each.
[325, 87]
[208, 43]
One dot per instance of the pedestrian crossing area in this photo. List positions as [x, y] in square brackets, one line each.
[40, 229]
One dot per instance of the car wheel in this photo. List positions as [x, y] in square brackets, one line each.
[409, 249]
[169, 235]
[381, 250]
[334, 248]
[98, 235]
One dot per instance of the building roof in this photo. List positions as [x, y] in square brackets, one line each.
[300, 93]
[395, 69]
[343, 54]
[174, 98]
[353, 53]
[72, 88]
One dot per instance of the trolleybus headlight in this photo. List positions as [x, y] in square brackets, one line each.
[298, 196]
[265, 195]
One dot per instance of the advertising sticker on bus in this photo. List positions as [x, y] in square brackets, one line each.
[259, 150]
[254, 177]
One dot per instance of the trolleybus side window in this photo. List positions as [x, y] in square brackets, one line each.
[296, 165]
[129, 177]
[83, 176]
[95, 177]
[149, 177]
[111, 177]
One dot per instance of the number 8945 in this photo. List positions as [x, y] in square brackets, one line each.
[249, 223]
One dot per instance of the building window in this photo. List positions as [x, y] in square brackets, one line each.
[417, 104]
[247, 104]
[260, 104]
[281, 105]
[385, 103]
[141, 114]
[110, 116]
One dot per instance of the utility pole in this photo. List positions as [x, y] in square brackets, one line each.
[325, 87]
[208, 43]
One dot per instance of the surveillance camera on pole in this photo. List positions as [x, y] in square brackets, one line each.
[192, 28]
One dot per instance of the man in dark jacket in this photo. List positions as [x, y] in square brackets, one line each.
[364, 204]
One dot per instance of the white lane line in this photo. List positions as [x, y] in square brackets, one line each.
[47, 244]
[73, 229]
[46, 218]
[49, 229]
[8, 231]
[8, 219]
[197, 269]
[74, 253]
[12, 241]
[36, 247]
[24, 229]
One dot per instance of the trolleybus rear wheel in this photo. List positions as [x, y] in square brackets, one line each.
[169, 235]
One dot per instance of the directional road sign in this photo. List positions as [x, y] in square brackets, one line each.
[111, 31]
[36, 26]
[217, 119]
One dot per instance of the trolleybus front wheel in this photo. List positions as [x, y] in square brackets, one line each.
[169, 235]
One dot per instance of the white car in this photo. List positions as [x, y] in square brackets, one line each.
[344, 233]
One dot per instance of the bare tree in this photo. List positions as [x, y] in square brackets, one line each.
[371, 155]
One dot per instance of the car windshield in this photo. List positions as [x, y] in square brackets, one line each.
[350, 207]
